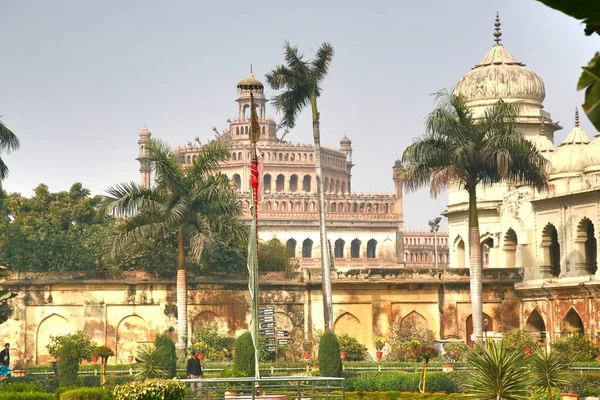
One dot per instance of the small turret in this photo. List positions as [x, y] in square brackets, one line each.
[399, 207]
[143, 142]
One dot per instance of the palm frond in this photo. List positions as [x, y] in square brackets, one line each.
[168, 170]
[295, 60]
[8, 140]
[548, 370]
[3, 170]
[322, 61]
[207, 162]
[138, 230]
[291, 103]
[125, 199]
[283, 77]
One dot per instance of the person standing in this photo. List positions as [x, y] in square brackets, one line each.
[194, 370]
[5, 360]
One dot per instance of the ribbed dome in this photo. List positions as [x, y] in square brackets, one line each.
[250, 83]
[500, 76]
[570, 156]
[145, 133]
[592, 155]
[544, 145]
[345, 141]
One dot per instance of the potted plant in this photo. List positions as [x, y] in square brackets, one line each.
[306, 348]
[343, 352]
[379, 345]
[19, 369]
[569, 396]
[202, 348]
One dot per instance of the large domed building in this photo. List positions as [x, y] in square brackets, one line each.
[551, 235]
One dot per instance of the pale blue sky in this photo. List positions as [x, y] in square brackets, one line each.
[78, 80]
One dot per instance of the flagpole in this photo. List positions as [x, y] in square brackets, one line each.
[253, 241]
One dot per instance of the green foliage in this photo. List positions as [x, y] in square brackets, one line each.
[168, 345]
[455, 351]
[576, 348]
[81, 345]
[542, 394]
[273, 256]
[548, 370]
[50, 385]
[5, 296]
[228, 255]
[579, 9]
[243, 360]
[409, 335]
[590, 81]
[232, 373]
[519, 341]
[87, 394]
[68, 365]
[18, 387]
[356, 351]
[330, 362]
[151, 389]
[102, 352]
[380, 343]
[26, 396]
[210, 341]
[152, 362]
[393, 395]
[497, 373]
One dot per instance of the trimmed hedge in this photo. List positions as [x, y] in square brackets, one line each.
[393, 395]
[401, 381]
[26, 396]
[243, 360]
[151, 389]
[330, 362]
[87, 394]
[22, 387]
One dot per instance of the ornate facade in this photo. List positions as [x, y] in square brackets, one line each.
[553, 234]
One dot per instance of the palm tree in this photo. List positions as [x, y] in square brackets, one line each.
[301, 81]
[468, 152]
[497, 373]
[196, 202]
[548, 370]
[8, 142]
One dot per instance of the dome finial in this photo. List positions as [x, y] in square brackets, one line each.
[250, 68]
[576, 117]
[497, 33]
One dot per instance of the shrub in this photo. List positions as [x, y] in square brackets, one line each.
[455, 351]
[87, 394]
[330, 362]
[409, 334]
[243, 360]
[542, 394]
[355, 350]
[49, 385]
[519, 341]
[170, 356]
[151, 389]
[214, 345]
[22, 387]
[152, 362]
[576, 348]
[68, 365]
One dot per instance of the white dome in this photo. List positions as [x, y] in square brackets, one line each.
[544, 145]
[592, 155]
[570, 156]
[500, 76]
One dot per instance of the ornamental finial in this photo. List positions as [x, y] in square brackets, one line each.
[497, 33]
[576, 117]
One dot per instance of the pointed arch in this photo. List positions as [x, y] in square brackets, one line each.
[372, 248]
[52, 325]
[536, 326]
[459, 252]
[488, 326]
[339, 248]
[414, 320]
[131, 332]
[293, 183]
[209, 319]
[355, 248]
[509, 248]
[572, 322]
[267, 183]
[290, 247]
[586, 248]
[307, 246]
[550, 264]
[237, 182]
[348, 323]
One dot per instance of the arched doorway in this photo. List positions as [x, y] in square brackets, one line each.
[372, 248]
[459, 251]
[290, 246]
[585, 241]
[132, 331]
[355, 248]
[488, 326]
[550, 252]
[486, 252]
[535, 325]
[572, 323]
[53, 325]
[339, 248]
[510, 249]
[307, 248]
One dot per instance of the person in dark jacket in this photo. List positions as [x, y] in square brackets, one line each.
[5, 361]
[194, 370]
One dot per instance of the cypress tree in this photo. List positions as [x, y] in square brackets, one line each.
[243, 360]
[170, 364]
[68, 365]
[330, 361]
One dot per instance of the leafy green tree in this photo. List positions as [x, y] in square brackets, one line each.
[210, 341]
[167, 344]
[460, 150]
[104, 353]
[497, 374]
[575, 348]
[68, 365]
[5, 296]
[548, 370]
[301, 82]
[330, 362]
[80, 345]
[243, 356]
[194, 201]
[589, 13]
[8, 142]
[273, 256]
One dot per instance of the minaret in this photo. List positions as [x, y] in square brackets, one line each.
[399, 208]
[143, 159]
[346, 147]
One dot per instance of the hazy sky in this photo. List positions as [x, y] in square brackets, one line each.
[78, 80]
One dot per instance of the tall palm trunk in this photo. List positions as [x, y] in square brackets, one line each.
[475, 266]
[182, 314]
[325, 261]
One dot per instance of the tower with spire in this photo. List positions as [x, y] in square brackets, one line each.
[145, 169]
